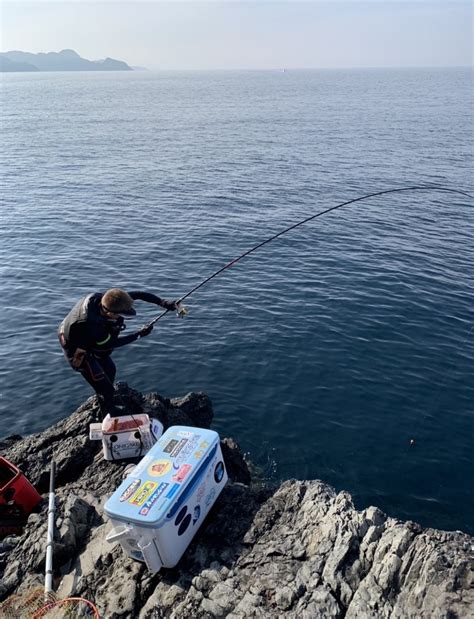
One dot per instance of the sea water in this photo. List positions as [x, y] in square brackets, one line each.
[342, 351]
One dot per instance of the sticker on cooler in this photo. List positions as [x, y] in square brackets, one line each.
[170, 446]
[180, 476]
[186, 451]
[210, 497]
[200, 491]
[143, 493]
[158, 468]
[172, 491]
[127, 493]
[177, 448]
[152, 499]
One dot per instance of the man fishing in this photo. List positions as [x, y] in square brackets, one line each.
[90, 333]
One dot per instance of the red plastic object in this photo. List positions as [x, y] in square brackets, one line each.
[119, 424]
[14, 487]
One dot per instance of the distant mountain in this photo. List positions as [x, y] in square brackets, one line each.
[10, 66]
[66, 60]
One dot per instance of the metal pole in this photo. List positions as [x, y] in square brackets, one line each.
[48, 584]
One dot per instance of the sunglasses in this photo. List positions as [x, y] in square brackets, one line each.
[107, 311]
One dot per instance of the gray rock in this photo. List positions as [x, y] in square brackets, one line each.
[300, 550]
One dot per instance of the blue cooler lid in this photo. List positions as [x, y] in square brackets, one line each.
[162, 479]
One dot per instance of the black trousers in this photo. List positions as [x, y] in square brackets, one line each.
[99, 372]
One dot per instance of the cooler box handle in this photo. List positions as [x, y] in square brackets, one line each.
[118, 533]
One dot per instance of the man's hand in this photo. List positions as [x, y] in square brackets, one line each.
[78, 358]
[169, 305]
[146, 330]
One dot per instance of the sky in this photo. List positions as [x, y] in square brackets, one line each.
[238, 34]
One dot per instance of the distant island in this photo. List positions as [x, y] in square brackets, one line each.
[65, 60]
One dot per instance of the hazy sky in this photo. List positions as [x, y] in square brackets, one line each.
[233, 34]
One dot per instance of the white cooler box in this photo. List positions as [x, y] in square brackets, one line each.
[158, 508]
[127, 436]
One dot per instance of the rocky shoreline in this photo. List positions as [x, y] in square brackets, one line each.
[297, 550]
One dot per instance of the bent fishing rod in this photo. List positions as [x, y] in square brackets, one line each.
[181, 311]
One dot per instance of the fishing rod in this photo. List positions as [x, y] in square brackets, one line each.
[181, 311]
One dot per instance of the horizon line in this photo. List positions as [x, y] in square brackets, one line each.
[314, 68]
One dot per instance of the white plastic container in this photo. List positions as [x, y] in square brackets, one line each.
[157, 509]
[128, 436]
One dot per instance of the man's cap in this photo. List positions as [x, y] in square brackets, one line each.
[118, 301]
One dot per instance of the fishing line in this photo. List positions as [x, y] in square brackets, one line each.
[304, 221]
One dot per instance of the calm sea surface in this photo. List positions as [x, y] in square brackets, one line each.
[342, 351]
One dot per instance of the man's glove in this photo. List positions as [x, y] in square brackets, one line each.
[175, 306]
[146, 330]
[169, 305]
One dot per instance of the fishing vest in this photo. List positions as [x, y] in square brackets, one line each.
[79, 313]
